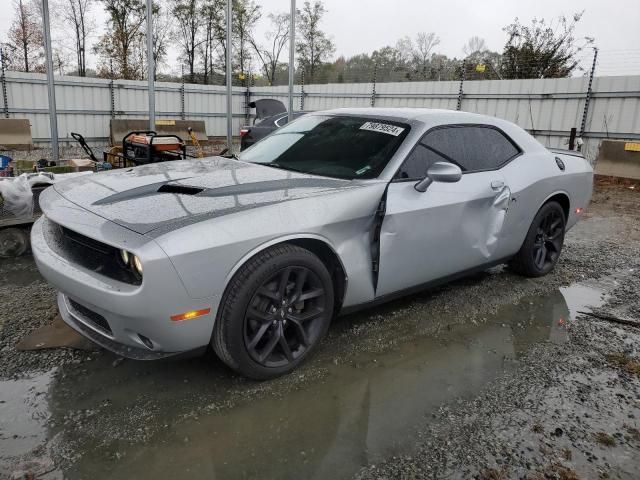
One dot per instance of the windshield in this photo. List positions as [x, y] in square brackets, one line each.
[332, 146]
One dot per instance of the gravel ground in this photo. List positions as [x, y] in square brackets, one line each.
[568, 411]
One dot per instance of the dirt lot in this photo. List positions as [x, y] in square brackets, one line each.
[492, 377]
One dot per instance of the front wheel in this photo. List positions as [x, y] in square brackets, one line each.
[542, 246]
[277, 308]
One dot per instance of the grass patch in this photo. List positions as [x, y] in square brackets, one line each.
[624, 361]
[605, 439]
[493, 474]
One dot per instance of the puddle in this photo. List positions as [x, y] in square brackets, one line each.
[360, 413]
[24, 412]
[18, 272]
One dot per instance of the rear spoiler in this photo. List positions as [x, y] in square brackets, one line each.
[561, 151]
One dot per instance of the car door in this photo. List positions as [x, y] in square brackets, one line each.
[452, 227]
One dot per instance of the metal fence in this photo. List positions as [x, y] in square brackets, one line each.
[606, 107]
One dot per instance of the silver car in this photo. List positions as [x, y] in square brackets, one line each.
[337, 210]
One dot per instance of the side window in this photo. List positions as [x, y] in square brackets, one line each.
[418, 162]
[474, 147]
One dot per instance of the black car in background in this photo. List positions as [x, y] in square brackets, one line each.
[271, 114]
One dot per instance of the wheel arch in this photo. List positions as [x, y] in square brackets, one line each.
[319, 246]
[563, 199]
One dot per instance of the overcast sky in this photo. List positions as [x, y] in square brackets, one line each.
[365, 25]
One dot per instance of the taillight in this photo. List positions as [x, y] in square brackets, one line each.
[243, 131]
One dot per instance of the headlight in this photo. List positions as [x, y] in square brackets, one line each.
[137, 264]
[124, 256]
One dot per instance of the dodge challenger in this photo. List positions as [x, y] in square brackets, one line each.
[254, 254]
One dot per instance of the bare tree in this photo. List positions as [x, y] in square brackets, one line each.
[75, 15]
[189, 22]
[425, 43]
[213, 24]
[313, 46]
[120, 46]
[278, 37]
[245, 16]
[25, 39]
[474, 45]
[162, 35]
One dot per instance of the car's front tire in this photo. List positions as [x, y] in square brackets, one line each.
[275, 311]
[542, 246]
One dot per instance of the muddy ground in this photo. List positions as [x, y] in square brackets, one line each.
[492, 377]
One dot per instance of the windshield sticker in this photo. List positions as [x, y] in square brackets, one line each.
[382, 128]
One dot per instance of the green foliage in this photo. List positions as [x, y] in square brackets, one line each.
[542, 50]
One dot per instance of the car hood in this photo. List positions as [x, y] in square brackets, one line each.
[173, 194]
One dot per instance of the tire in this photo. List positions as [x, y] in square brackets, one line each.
[543, 244]
[274, 313]
[13, 242]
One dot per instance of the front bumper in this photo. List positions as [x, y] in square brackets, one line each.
[130, 320]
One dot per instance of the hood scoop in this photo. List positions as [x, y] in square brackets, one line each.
[181, 189]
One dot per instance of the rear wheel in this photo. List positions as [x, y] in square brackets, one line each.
[13, 242]
[275, 311]
[542, 246]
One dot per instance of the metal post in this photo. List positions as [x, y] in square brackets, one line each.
[247, 99]
[5, 97]
[53, 114]
[461, 92]
[292, 46]
[228, 74]
[373, 89]
[572, 139]
[587, 99]
[302, 94]
[182, 92]
[151, 68]
[112, 92]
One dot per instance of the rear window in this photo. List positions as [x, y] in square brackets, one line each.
[332, 146]
[473, 148]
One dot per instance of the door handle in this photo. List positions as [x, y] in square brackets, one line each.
[497, 184]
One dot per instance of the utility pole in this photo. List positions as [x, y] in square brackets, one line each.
[51, 88]
[292, 46]
[229, 79]
[151, 68]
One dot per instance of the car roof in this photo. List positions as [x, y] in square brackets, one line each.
[406, 114]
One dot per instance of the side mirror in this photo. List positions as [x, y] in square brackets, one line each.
[439, 172]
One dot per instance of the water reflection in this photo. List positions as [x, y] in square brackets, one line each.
[360, 413]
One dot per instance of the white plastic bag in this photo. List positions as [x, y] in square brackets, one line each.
[17, 197]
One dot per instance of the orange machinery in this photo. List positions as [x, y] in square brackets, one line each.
[147, 146]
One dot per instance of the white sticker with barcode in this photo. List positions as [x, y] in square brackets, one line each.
[382, 128]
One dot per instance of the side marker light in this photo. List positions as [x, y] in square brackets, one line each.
[190, 315]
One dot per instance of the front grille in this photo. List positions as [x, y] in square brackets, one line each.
[96, 319]
[89, 253]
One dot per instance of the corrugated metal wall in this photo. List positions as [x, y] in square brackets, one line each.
[548, 108]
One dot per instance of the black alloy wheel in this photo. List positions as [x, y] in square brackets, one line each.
[274, 312]
[548, 241]
[542, 246]
[281, 322]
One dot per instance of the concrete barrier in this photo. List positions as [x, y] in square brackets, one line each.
[119, 127]
[617, 158]
[15, 134]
